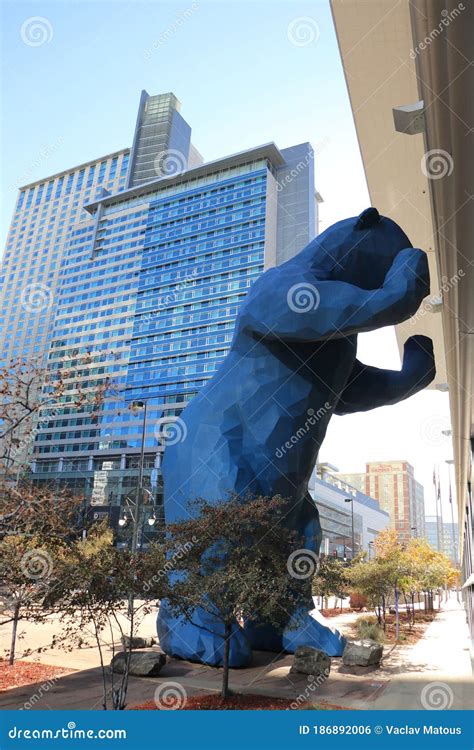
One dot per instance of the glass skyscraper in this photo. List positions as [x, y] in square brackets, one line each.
[151, 279]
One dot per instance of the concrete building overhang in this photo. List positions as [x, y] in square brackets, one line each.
[396, 54]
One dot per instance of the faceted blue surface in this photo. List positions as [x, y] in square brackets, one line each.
[256, 428]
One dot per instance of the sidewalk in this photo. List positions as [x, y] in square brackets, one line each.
[435, 672]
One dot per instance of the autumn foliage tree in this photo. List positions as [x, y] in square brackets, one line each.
[29, 395]
[399, 570]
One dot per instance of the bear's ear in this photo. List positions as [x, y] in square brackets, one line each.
[367, 219]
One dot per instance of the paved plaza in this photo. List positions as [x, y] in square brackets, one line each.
[436, 670]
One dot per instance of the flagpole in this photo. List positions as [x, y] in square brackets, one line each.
[436, 490]
[455, 546]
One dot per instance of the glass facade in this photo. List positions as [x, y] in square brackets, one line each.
[149, 296]
[40, 230]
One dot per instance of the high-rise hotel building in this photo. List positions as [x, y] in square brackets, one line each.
[152, 270]
[44, 214]
[393, 484]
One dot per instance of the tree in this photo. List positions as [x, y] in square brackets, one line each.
[26, 565]
[94, 584]
[396, 564]
[35, 523]
[400, 569]
[235, 566]
[330, 580]
[29, 395]
[40, 511]
[431, 569]
[372, 580]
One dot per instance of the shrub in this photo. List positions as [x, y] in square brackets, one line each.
[357, 601]
[368, 627]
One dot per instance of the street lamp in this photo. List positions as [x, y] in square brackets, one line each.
[351, 501]
[139, 405]
[123, 521]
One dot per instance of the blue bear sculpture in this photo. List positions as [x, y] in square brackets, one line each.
[291, 365]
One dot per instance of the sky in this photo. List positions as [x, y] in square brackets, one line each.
[246, 73]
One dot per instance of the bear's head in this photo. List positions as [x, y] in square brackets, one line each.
[359, 250]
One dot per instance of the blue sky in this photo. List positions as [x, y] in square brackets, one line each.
[245, 73]
[239, 77]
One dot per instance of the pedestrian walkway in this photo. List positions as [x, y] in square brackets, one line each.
[437, 671]
[433, 673]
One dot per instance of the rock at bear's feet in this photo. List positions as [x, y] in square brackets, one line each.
[142, 663]
[311, 661]
[362, 653]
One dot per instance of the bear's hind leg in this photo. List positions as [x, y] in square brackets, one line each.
[201, 640]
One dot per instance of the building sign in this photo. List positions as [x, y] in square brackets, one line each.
[101, 479]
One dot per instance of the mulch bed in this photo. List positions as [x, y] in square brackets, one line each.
[409, 635]
[336, 611]
[214, 702]
[236, 702]
[26, 673]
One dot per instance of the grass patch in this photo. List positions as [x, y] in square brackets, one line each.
[368, 627]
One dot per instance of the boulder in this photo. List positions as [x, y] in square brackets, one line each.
[142, 663]
[137, 642]
[362, 653]
[312, 661]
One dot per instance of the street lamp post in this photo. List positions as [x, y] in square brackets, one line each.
[351, 501]
[136, 519]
